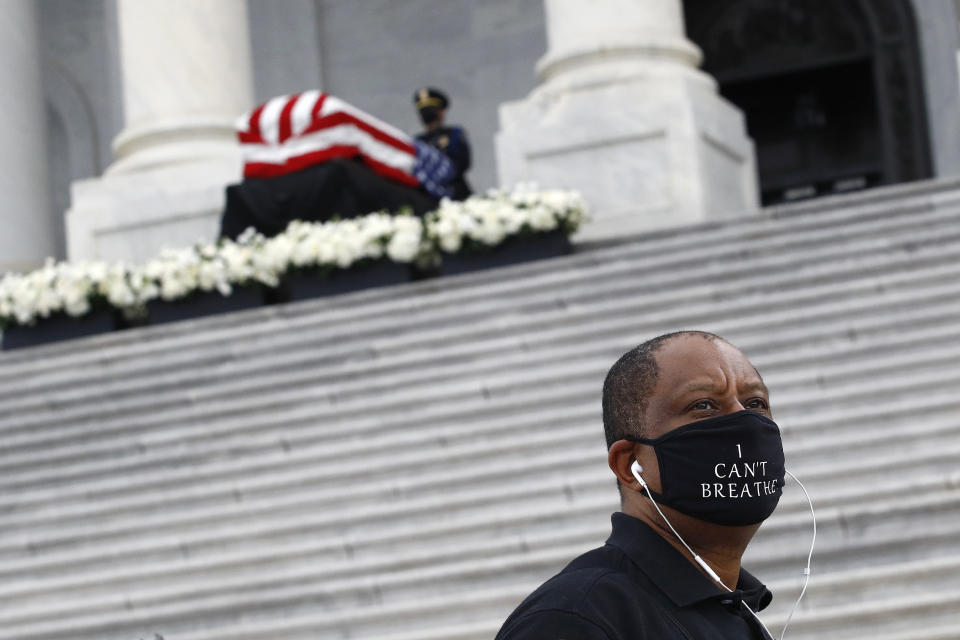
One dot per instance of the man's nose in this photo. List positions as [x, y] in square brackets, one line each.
[735, 406]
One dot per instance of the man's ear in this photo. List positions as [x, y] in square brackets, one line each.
[620, 457]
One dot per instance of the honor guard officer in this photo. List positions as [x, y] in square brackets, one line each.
[451, 141]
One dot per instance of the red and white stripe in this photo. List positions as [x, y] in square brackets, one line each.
[289, 133]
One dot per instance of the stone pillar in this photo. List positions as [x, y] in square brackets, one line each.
[29, 233]
[623, 114]
[186, 77]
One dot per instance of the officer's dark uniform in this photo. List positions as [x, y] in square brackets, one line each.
[637, 587]
[450, 140]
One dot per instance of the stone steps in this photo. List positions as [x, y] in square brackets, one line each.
[310, 471]
[401, 586]
[409, 462]
[880, 514]
[51, 562]
[793, 504]
[610, 259]
[904, 613]
[672, 277]
[40, 434]
[938, 632]
[925, 357]
[863, 584]
[897, 611]
[488, 464]
[504, 466]
[873, 491]
[437, 440]
[881, 583]
[36, 410]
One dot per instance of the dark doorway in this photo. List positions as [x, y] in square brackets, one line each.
[831, 91]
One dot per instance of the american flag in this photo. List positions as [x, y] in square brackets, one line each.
[293, 132]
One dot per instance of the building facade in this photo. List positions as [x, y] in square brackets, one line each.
[119, 116]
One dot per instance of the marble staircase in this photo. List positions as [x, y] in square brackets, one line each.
[409, 462]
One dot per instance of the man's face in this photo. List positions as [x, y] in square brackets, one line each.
[698, 378]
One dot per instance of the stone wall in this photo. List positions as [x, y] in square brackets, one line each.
[376, 53]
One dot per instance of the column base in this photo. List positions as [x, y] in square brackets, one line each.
[132, 216]
[649, 146]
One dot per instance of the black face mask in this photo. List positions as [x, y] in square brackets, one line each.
[429, 115]
[725, 470]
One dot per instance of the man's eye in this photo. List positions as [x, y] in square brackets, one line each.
[758, 403]
[702, 405]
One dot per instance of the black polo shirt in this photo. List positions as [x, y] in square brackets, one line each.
[636, 587]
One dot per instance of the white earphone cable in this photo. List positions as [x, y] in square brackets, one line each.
[703, 563]
[635, 469]
[806, 571]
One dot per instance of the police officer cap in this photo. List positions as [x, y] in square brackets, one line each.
[430, 97]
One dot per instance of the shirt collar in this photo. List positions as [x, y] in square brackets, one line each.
[672, 573]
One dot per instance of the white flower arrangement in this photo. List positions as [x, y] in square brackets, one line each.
[178, 273]
[75, 288]
[487, 220]
[64, 287]
[341, 244]
[254, 258]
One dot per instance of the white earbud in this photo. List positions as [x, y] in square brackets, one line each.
[637, 470]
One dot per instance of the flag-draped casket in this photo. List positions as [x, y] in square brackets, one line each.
[311, 156]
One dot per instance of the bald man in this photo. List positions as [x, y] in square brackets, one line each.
[699, 466]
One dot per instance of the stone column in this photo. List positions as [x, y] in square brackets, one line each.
[29, 233]
[186, 73]
[624, 115]
[186, 76]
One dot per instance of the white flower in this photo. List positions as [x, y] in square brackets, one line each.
[344, 253]
[491, 218]
[249, 236]
[277, 253]
[486, 219]
[403, 247]
[144, 288]
[237, 262]
[406, 240]
[118, 292]
[542, 218]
